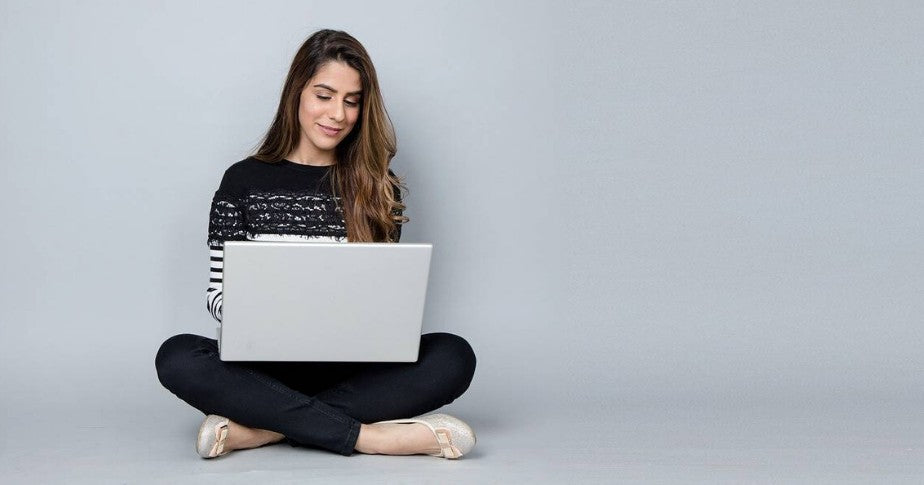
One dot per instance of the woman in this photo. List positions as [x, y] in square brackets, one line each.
[320, 174]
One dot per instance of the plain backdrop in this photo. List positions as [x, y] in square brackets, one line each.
[648, 205]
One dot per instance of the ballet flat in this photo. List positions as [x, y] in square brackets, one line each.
[455, 437]
[212, 435]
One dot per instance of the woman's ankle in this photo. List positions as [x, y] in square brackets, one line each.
[241, 437]
[396, 439]
[369, 440]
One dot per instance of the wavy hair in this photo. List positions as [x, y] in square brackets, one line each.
[361, 176]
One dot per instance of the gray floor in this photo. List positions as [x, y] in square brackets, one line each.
[866, 442]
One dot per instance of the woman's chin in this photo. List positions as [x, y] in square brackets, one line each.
[326, 145]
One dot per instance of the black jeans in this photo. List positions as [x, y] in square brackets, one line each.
[315, 404]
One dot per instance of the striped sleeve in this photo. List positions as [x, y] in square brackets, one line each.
[214, 292]
[226, 223]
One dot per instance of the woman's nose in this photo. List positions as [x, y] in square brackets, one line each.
[337, 114]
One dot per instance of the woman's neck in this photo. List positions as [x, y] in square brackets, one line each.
[304, 155]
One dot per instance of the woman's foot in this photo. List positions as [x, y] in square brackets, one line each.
[241, 437]
[396, 439]
[439, 435]
[219, 436]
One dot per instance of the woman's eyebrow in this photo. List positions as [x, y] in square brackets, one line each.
[334, 90]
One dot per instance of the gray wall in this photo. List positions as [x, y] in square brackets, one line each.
[631, 203]
[744, 196]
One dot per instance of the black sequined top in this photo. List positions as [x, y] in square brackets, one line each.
[281, 201]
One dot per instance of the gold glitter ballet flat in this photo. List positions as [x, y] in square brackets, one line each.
[454, 436]
[212, 435]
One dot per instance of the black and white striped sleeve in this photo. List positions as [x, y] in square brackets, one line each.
[226, 223]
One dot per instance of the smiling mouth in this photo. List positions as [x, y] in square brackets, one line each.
[329, 128]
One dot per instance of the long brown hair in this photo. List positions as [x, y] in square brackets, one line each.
[360, 176]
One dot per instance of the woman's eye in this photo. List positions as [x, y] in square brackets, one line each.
[325, 98]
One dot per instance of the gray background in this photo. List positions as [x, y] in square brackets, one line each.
[684, 238]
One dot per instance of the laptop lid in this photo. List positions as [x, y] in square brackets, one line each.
[317, 301]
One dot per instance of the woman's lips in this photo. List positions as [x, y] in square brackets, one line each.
[328, 131]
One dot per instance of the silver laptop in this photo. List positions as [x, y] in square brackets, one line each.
[318, 301]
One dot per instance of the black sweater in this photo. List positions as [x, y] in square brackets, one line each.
[282, 201]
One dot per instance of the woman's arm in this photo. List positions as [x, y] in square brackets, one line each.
[213, 295]
[226, 223]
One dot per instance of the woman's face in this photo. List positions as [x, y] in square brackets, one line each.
[331, 99]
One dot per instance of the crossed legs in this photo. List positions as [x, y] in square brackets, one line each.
[318, 404]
